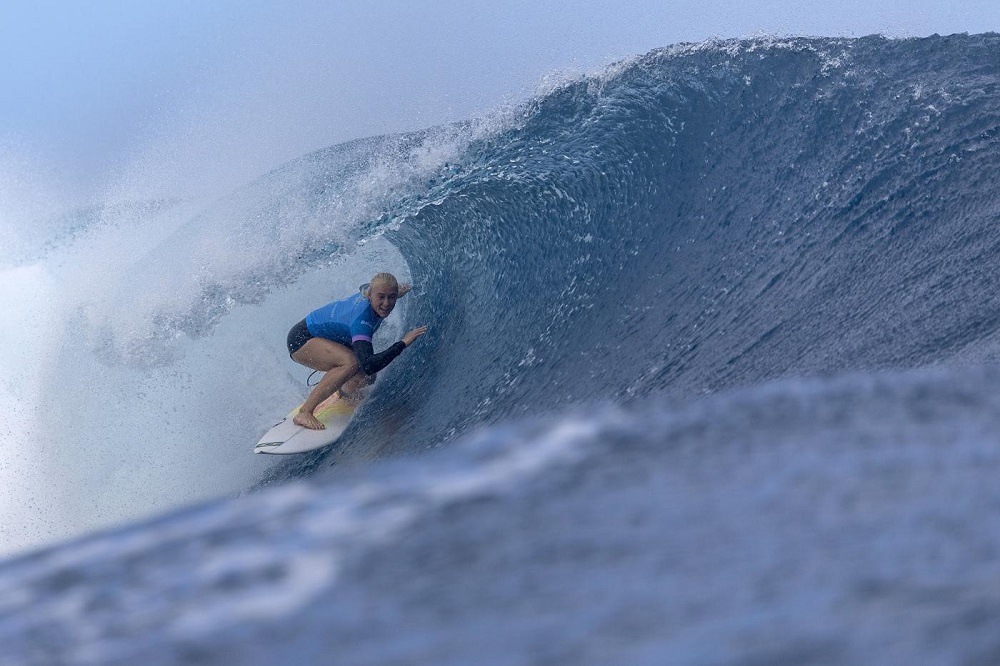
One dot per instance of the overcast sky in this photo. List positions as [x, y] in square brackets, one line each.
[224, 90]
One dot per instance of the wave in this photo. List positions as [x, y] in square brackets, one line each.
[808, 521]
[708, 217]
[742, 218]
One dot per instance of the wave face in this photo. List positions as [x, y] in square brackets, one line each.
[739, 218]
[709, 217]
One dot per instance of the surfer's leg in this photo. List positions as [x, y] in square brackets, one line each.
[337, 361]
[324, 355]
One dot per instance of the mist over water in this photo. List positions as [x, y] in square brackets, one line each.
[145, 339]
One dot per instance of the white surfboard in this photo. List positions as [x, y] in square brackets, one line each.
[286, 437]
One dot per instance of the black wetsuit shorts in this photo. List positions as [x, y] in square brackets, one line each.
[298, 336]
[369, 361]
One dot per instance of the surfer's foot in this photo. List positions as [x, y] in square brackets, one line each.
[307, 420]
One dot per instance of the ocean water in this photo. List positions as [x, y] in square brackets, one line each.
[710, 379]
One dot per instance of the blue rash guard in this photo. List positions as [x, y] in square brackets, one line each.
[344, 321]
[352, 323]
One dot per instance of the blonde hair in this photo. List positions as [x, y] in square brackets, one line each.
[384, 279]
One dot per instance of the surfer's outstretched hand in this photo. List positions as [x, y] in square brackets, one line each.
[307, 420]
[413, 335]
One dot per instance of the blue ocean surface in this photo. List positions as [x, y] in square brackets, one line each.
[710, 379]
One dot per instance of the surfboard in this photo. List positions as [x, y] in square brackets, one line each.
[286, 437]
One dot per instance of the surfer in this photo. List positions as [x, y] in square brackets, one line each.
[337, 339]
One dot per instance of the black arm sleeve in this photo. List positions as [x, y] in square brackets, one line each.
[371, 362]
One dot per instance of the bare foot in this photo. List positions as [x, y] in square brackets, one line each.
[307, 420]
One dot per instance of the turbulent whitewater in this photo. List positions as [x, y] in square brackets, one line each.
[710, 380]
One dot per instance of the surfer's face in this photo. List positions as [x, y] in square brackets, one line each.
[383, 299]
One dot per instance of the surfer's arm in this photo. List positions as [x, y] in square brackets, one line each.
[371, 362]
[403, 288]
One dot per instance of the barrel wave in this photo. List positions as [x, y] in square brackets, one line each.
[709, 380]
[703, 218]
